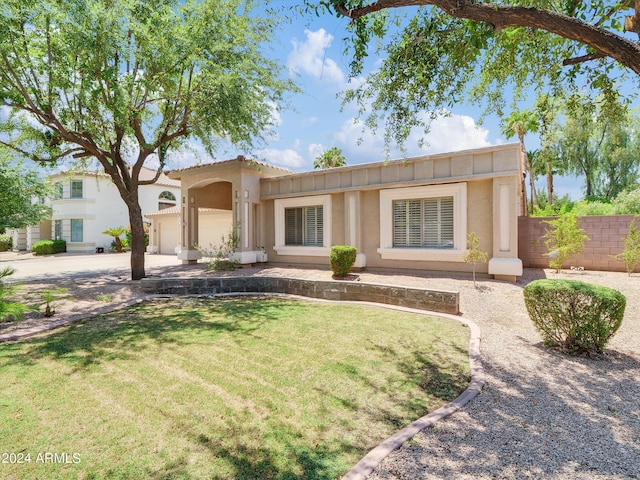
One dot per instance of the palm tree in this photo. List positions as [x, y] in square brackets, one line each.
[520, 123]
[116, 233]
[330, 159]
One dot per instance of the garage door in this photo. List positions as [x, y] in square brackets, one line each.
[168, 237]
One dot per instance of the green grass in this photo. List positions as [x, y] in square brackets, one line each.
[224, 388]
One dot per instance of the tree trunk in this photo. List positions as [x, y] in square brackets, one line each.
[524, 161]
[549, 185]
[137, 240]
[523, 208]
[532, 185]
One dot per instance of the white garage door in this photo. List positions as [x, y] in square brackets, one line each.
[168, 237]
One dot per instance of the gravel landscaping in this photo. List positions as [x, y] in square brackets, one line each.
[540, 415]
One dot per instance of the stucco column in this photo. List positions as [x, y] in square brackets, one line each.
[352, 227]
[505, 263]
[242, 217]
[189, 231]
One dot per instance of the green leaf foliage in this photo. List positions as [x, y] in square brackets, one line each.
[600, 143]
[473, 254]
[563, 239]
[573, 315]
[116, 233]
[20, 194]
[485, 52]
[9, 309]
[627, 203]
[130, 82]
[6, 243]
[49, 247]
[341, 259]
[331, 158]
[631, 253]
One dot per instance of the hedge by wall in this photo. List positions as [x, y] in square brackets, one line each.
[606, 234]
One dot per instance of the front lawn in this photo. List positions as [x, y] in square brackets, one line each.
[240, 387]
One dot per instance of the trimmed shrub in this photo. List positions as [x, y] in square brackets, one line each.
[341, 259]
[573, 315]
[48, 247]
[6, 243]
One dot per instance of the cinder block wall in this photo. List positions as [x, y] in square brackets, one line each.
[606, 234]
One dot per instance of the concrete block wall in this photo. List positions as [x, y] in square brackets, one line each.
[606, 238]
[437, 301]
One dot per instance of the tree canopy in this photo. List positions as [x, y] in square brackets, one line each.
[606, 152]
[127, 83]
[519, 123]
[330, 159]
[20, 193]
[436, 52]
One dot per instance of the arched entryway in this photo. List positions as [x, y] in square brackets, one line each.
[211, 203]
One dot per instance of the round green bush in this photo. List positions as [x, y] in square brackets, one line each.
[6, 243]
[48, 247]
[577, 316]
[341, 259]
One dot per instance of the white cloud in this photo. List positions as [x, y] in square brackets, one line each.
[191, 153]
[455, 132]
[288, 157]
[309, 56]
[276, 118]
[315, 150]
[447, 134]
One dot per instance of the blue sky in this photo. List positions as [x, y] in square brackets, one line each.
[312, 50]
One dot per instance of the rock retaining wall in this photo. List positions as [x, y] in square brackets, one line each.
[437, 301]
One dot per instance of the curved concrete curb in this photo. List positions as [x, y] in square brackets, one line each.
[372, 459]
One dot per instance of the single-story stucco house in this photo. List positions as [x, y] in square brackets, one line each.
[412, 214]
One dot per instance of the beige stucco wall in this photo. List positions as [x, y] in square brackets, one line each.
[232, 185]
[491, 180]
[358, 201]
[479, 220]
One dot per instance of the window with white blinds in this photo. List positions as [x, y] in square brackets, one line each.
[423, 223]
[304, 226]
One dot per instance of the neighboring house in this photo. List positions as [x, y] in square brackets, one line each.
[88, 203]
[411, 214]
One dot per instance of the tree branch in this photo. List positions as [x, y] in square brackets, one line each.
[582, 59]
[603, 41]
[37, 159]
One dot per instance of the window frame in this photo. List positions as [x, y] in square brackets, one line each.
[387, 197]
[304, 225]
[71, 234]
[71, 192]
[280, 225]
[57, 230]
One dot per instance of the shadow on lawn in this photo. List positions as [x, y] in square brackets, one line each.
[244, 463]
[124, 333]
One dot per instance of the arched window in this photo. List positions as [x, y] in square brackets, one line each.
[166, 200]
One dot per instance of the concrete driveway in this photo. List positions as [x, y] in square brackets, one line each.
[65, 265]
